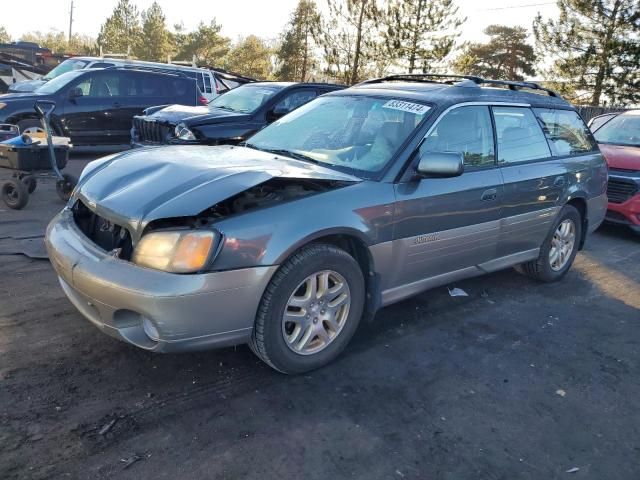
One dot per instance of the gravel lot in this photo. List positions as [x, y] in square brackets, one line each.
[519, 380]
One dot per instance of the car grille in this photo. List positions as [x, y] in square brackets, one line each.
[151, 131]
[102, 232]
[620, 190]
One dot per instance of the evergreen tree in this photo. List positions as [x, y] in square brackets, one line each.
[156, 42]
[251, 56]
[349, 37]
[4, 35]
[506, 55]
[58, 42]
[295, 56]
[596, 47]
[207, 44]
[121, 32]
[421, 32]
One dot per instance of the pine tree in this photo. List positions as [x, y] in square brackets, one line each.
[596, 47]
[206, 44]
[420, 33]
[251, 56]
[506, 55]
[4, 35]
[156, 44]
[349, 38]
[121, 32]
[295, 56]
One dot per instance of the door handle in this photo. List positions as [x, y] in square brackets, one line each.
[559, 182]
[490, 194]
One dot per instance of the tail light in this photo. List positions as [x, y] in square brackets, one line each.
[202, 100]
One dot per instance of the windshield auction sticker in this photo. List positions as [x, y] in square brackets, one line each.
[403, 106]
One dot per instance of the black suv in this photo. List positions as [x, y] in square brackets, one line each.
[228, 119]
[96, 107]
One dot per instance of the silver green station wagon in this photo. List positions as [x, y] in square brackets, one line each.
[359, 199]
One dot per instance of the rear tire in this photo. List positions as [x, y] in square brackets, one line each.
[15, 194]
[558, 250]
[30, 125]
[274, 339]
[64, 188]
[30, 182]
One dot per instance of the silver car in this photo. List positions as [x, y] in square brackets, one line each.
[361, 198]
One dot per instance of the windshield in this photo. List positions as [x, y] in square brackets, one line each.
[621, 130]
[66, 66]
[57, 83]
[353, 133]
[245, 99]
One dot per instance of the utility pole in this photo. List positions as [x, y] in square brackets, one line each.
[70, 20]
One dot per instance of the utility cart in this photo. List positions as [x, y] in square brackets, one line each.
[30, 160]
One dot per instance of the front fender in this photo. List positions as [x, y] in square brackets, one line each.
[268, 236]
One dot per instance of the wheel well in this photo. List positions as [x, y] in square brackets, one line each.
[32, 116]
[359, 250]
[580, 205]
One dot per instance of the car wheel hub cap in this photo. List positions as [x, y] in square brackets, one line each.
[316, 312]
[562, 244]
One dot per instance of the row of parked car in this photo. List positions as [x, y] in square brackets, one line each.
[349, 199]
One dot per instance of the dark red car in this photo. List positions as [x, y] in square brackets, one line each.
[618, 136]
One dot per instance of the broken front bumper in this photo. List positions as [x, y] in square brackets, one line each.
[186, 312]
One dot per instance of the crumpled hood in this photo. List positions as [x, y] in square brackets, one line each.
[620, 156]
[175, 114]
[139, 186]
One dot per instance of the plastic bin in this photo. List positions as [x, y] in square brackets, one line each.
[32, 157]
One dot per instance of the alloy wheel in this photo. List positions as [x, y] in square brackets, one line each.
[562, 244]
[316, 312]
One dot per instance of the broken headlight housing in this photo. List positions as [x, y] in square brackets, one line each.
[183, 133]
[176, 251]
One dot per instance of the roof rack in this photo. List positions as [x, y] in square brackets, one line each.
[471, 80]
[168, 70]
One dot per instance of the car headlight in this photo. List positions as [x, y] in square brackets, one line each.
[175, 251]
[183, 133]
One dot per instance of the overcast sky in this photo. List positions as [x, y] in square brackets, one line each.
[264, 18]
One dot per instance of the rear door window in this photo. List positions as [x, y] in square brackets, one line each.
[520, 137]
[567, 133]
[465, 130]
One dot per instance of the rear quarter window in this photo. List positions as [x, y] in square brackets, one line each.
[566, 131]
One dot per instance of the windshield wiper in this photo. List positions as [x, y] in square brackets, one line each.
[289, 153]
[228, 109]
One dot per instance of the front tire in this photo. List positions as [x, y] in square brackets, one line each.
[15, 194]
[310, 310]
[559, 249]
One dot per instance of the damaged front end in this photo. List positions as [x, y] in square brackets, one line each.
[162, 214]
[117, 240]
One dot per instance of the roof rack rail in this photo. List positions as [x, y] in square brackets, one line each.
[168, 70]
[430, 77]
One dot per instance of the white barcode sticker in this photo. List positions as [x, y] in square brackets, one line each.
[410, 107]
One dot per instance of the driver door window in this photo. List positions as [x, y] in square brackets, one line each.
[295, 99]
[100, 85]
[465, 130]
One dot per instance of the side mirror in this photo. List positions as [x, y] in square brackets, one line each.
[440, 164]
[277, 112]
[75, 93]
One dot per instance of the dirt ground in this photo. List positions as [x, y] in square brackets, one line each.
[519, 380]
